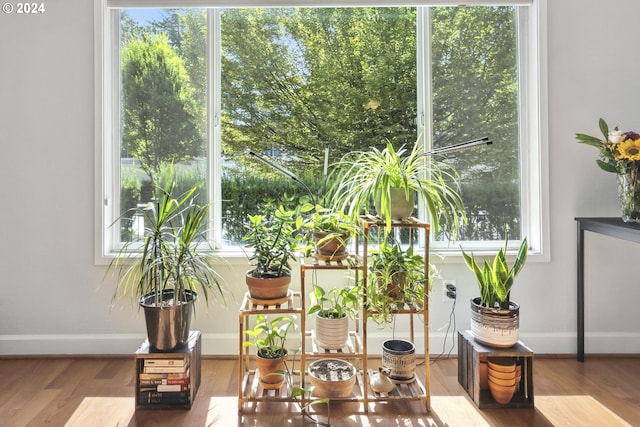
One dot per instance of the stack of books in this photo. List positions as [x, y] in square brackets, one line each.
[164, 381]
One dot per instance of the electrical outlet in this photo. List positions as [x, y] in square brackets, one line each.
[449, 290]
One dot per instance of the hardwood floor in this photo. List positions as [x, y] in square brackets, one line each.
[99, 392]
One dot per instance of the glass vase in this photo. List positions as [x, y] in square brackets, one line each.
[629, 194]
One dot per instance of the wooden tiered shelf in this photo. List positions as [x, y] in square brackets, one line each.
[355, 350]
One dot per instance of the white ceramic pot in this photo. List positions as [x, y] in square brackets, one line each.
[495, 327]
[332, 334]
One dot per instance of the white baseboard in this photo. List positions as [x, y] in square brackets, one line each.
[227, 344]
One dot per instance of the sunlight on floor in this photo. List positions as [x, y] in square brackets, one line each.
[559, 411]
[456, 411]
[116, 411]
[577, 411]
[222, 411]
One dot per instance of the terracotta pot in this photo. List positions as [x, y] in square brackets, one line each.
[332, 377]
[484, 375]
[267, 288]
[330, 247]
[267, 368]
[495, 327]
[505, 365]
[396, 285]
[332, 334]
[502, 394]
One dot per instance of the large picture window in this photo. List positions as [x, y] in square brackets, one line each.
[198, 88]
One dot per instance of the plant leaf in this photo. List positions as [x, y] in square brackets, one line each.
[607, 167]
[604, 128]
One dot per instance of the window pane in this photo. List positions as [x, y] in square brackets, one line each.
[301, 83]
[475, 94]
[163, 105]
[297, 82]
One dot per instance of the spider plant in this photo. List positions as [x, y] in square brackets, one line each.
[365, 176]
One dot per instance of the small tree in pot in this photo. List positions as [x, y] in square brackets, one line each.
[164, 273]
[493, 310]
[275, 239]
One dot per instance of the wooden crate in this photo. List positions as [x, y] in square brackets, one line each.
[470, 353]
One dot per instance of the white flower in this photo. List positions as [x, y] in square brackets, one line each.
[615, 136]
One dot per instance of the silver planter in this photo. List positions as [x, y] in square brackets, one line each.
[168, 324]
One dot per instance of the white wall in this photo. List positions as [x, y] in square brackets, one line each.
[51, 298]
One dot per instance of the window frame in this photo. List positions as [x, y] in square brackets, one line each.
[533, 113]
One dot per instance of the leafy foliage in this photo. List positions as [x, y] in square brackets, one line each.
[619, 152]
[160, 113]
[270, 336]
[309, 56]
[274, 238]
[495, 280]
[336, 303]
[170, 256]
[396, 279]
[369, 175]
[475, 93]
[297, 81]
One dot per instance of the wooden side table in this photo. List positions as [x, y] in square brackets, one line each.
[470, 353]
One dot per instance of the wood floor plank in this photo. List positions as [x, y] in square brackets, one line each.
[26, 407]
[456, 411]
[578, 411]
[103, 411]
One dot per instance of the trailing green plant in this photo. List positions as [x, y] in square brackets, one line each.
[175, 253]
[396, 279]
[496, 279]
[365, 176]
[270, 336]
[302, 396]
[330, 220]
[336, 303]
[275, 239]
[326, 224]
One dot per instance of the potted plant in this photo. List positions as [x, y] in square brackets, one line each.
[269, 338]
[391, 179]
[332, 378]
[396, 279]
[495, 319]
[333, 309]
[164, 272]
[275, 239]
[619, 154]
[331, 230]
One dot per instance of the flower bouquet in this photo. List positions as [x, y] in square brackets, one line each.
[620, 154]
